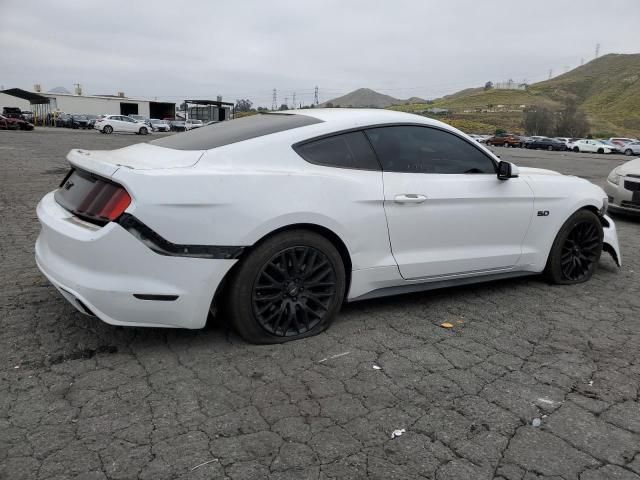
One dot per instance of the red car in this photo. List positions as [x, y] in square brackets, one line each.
[7, 123]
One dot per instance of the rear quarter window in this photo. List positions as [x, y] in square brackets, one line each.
[346, 150]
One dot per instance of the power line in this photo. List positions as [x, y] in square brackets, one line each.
[294, 100]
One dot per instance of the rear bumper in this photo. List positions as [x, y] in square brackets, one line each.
[103, 268]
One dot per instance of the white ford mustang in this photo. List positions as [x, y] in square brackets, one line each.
[281, 217]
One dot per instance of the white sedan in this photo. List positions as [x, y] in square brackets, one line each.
[282, 217]
[593, 146]
[121, 123]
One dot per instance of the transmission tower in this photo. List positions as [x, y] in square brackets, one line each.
[294, 101]
[286, 102]
[315, 96]
[274, 101]
[597, 50]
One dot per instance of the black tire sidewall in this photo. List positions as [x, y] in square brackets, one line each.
[240, 288]
[553, 269]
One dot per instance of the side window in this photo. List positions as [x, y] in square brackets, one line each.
[347, 150]
[414, 149]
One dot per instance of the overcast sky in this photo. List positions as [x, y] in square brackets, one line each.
[243, 49]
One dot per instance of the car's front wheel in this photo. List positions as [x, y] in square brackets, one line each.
[143, 131]
[628, 152]
[290, 286]
[576, 249]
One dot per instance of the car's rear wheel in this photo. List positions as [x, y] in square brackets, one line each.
[107, 129]
[290, 286]
[550, 148]
[576, 149]
[143, 131]
[628, 152]
[576, 249]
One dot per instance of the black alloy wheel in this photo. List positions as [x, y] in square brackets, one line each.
[580, 251]
[293, 291]
[289, 286]
[576, 250]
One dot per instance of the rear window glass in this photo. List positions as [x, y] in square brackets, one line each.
[232, 131]
[348, 150]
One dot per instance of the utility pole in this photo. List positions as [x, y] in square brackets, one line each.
[315, 97]
[286, 102]
[274, 101]
[597, 50]
[550, 73]
[294, 100]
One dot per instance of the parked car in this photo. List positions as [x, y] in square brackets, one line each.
[10, 123]
[138, 118]
[27, 116]
[162, 230]
[504, 140]
[620, 141]
[194, 124]
[63, 120]
[631, 148]
[545, 143]
[178, 126]
[623, 187]
[477, 138]
[121, 123]
[593, 146]
[159, 125]
[91, 119]
[12, 112]
[78, 121]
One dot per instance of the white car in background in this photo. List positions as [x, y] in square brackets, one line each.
[191, 124]
[623, 187]
[121, 123]
[159, 125]
[631, 148]
[593, 146]
[282, 217]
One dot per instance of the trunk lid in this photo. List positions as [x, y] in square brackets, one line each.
[141, 156]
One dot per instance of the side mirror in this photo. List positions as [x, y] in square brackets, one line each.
[507, 170]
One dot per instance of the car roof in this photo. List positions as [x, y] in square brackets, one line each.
[362, 116]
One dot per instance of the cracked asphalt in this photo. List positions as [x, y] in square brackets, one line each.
[82, 399]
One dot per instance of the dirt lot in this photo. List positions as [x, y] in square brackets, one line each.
[82, 399]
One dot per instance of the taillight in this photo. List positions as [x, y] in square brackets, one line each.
[93, 198]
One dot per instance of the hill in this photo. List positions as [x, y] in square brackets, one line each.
[607, 89]
[365, 97]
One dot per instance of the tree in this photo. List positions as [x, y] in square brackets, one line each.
[329, 105]
[500, 131]
[539, 120]
[243, 105]
[571, 121]
[284, 107]
[488, 85]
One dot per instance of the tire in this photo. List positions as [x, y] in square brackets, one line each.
[550, 148]
[576, 149]
[143, 131]
[601, 150]
[628, 152]
[576, 250]
[285, 290]
[108, 129]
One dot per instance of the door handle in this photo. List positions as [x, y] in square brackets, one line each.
[409, 198]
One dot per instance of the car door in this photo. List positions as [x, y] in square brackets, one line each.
[447, 212]
[129, 124]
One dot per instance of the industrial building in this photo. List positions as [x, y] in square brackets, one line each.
[46, 105]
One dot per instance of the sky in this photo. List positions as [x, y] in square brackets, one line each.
[173, 50]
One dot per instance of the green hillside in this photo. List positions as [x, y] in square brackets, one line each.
[607, 89]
